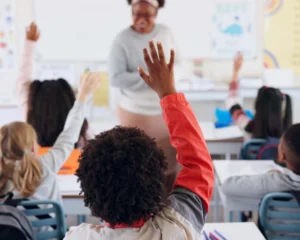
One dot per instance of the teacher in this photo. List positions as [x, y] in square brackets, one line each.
[138, 104]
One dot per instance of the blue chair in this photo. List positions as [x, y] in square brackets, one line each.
[47, 218]
[279, 216]
[251, 149]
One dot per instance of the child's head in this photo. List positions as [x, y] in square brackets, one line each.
[289, 148]
[121, 173]
[18, 147]
[273, 113]
[49, 103]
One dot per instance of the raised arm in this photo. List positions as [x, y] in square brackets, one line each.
[25, 72]
[237, 113]
[197, 175]
[119, 75]
[64, 144]
[233, 85]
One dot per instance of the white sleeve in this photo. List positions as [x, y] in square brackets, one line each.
[65, 143]
[255, 186]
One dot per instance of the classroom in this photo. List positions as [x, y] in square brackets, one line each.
[150, 119]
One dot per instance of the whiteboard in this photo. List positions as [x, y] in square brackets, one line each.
[83, 30]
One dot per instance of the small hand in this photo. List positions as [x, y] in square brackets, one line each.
[161, 73]
[32, 32]
[238, 62]
[88, 83]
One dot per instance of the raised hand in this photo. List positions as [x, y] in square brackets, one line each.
[88, 83]
[32, 32]
[161, 73]
[238, 62]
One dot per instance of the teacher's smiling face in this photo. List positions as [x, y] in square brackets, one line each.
[144, 15]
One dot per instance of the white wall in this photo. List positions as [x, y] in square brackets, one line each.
[217, 70]
[23, 17]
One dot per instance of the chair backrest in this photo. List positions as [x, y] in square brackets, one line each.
[251, 149]
[279, 216]
[47, 218]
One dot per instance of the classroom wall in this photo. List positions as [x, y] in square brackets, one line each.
[218, 70]
[221, 71]
[23, 17]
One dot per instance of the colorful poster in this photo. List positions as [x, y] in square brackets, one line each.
[7, 36]
[234, 28]
[282, 35]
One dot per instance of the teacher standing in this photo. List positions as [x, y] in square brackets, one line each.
[139, 105]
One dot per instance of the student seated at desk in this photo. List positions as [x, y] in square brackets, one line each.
[46, 104]
[121, 172]
[273, 109]
[285, 179]
[25, 173]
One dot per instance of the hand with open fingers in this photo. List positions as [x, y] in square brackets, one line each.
[238, 62]
[32, 32]
[88, 83]
[161, 73]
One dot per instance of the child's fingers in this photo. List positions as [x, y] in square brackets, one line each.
[153, 51]
[161, 52]
[147, 58]
[144, 75]
[172, 59]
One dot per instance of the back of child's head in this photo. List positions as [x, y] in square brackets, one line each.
[121, 173]
[49, 103]
[291, 148]
[273, 113]
[18, 164]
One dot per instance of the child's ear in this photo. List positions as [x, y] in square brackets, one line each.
[281, 155]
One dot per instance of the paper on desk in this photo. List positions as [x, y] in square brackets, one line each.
[68, 184]
[211, 133]
[230, 132]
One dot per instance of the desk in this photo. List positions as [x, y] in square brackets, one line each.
[226, 169]
[73, 203]
[235, 231]
[225, 141]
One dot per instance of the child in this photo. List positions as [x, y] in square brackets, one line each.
[21, 170]
[287, 179]
[273, 109]
[121, 172]
[45, 104]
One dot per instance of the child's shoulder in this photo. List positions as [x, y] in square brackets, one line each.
[82, 230]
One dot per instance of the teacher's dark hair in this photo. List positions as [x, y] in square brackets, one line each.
[161, 3]
[49, 103]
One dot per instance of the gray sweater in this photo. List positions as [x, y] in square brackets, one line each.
[127, 55]
[259, 185]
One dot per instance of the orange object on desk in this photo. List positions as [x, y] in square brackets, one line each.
[70, 165]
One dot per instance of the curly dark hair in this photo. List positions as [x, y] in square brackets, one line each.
[161, 3]
[292, 140]
[49, 103]
[121, 173]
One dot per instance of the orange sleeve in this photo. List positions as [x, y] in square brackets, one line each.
[197, 174]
